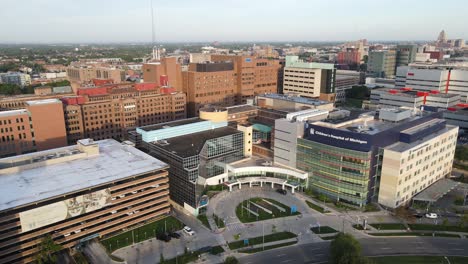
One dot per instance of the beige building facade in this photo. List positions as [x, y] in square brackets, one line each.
[407, 169]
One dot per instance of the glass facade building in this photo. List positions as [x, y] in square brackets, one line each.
[341, 174]
[193, 158]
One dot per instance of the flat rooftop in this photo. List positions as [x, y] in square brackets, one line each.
[191, 144]
[240, 108]
[402, 146]
[414, 93]
[171, 124]
[26, 185]
[295, 99]
[364, 122]
[44, 101]
[13, 113]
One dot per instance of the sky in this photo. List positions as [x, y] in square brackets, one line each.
[129, 21]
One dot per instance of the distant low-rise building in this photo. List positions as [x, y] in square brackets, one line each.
[17, 78]
[382, 63]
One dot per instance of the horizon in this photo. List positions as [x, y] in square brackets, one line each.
[181, 21]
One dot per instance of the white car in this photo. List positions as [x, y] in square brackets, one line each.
[188, 231]
[431, 215]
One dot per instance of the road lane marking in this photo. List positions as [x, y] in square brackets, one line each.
[286, 261]
[385, 248]
[280, 255]
[456, 248]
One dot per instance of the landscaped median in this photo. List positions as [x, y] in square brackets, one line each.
[142, 233]
[219, 222]
[258, 209]
[204, 220]
[316, 207]
[259, 240]
[418, 260]
[323, 230]
[414, 234]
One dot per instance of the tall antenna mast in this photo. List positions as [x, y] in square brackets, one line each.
[153, 35]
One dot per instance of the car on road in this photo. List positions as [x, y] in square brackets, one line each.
[188, 231]
[163, 237]
[281, 191]
[174, 235]
[431, 215]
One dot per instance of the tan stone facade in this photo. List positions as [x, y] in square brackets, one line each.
[167, 67]
[39, 126]
[254, 76]
[111, 115]
[208, 88]
[408, 171]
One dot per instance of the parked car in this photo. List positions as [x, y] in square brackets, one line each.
[163, 237]
[188, 231]
[281, 191]
[174, 235]
[431, 215]
[418, 215]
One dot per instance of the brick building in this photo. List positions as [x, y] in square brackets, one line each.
[254, 75]
[111, 110]
[39, 126]
[209, 83]
[164, 72]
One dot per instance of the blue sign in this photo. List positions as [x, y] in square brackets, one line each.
[293, 209]
[246, 242]
[89, 237]
[248, 60]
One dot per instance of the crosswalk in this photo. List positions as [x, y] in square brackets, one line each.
[235, 226]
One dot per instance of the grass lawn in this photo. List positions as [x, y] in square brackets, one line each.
[329, 237]
[255, 250]
[438, 228]
[413, 234]
[315, 207]
[389, 226]
[418, 260]
[204, 219]
[219, 222]
[323, 230]
[259, 240]
[142, 233]
[358, 227]
[246, 217]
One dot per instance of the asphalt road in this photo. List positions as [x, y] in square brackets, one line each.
[319, 252]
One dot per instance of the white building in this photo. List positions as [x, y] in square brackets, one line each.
[425, 77]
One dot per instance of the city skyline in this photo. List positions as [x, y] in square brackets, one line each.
[53, 21]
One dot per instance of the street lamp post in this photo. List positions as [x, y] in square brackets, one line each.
[447, 259]
[263, 236]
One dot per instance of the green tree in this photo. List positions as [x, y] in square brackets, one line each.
[231, 260]
[9, 89]
[345, 249]
[47, 250]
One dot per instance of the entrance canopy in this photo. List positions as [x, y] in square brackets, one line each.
[434, 192]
